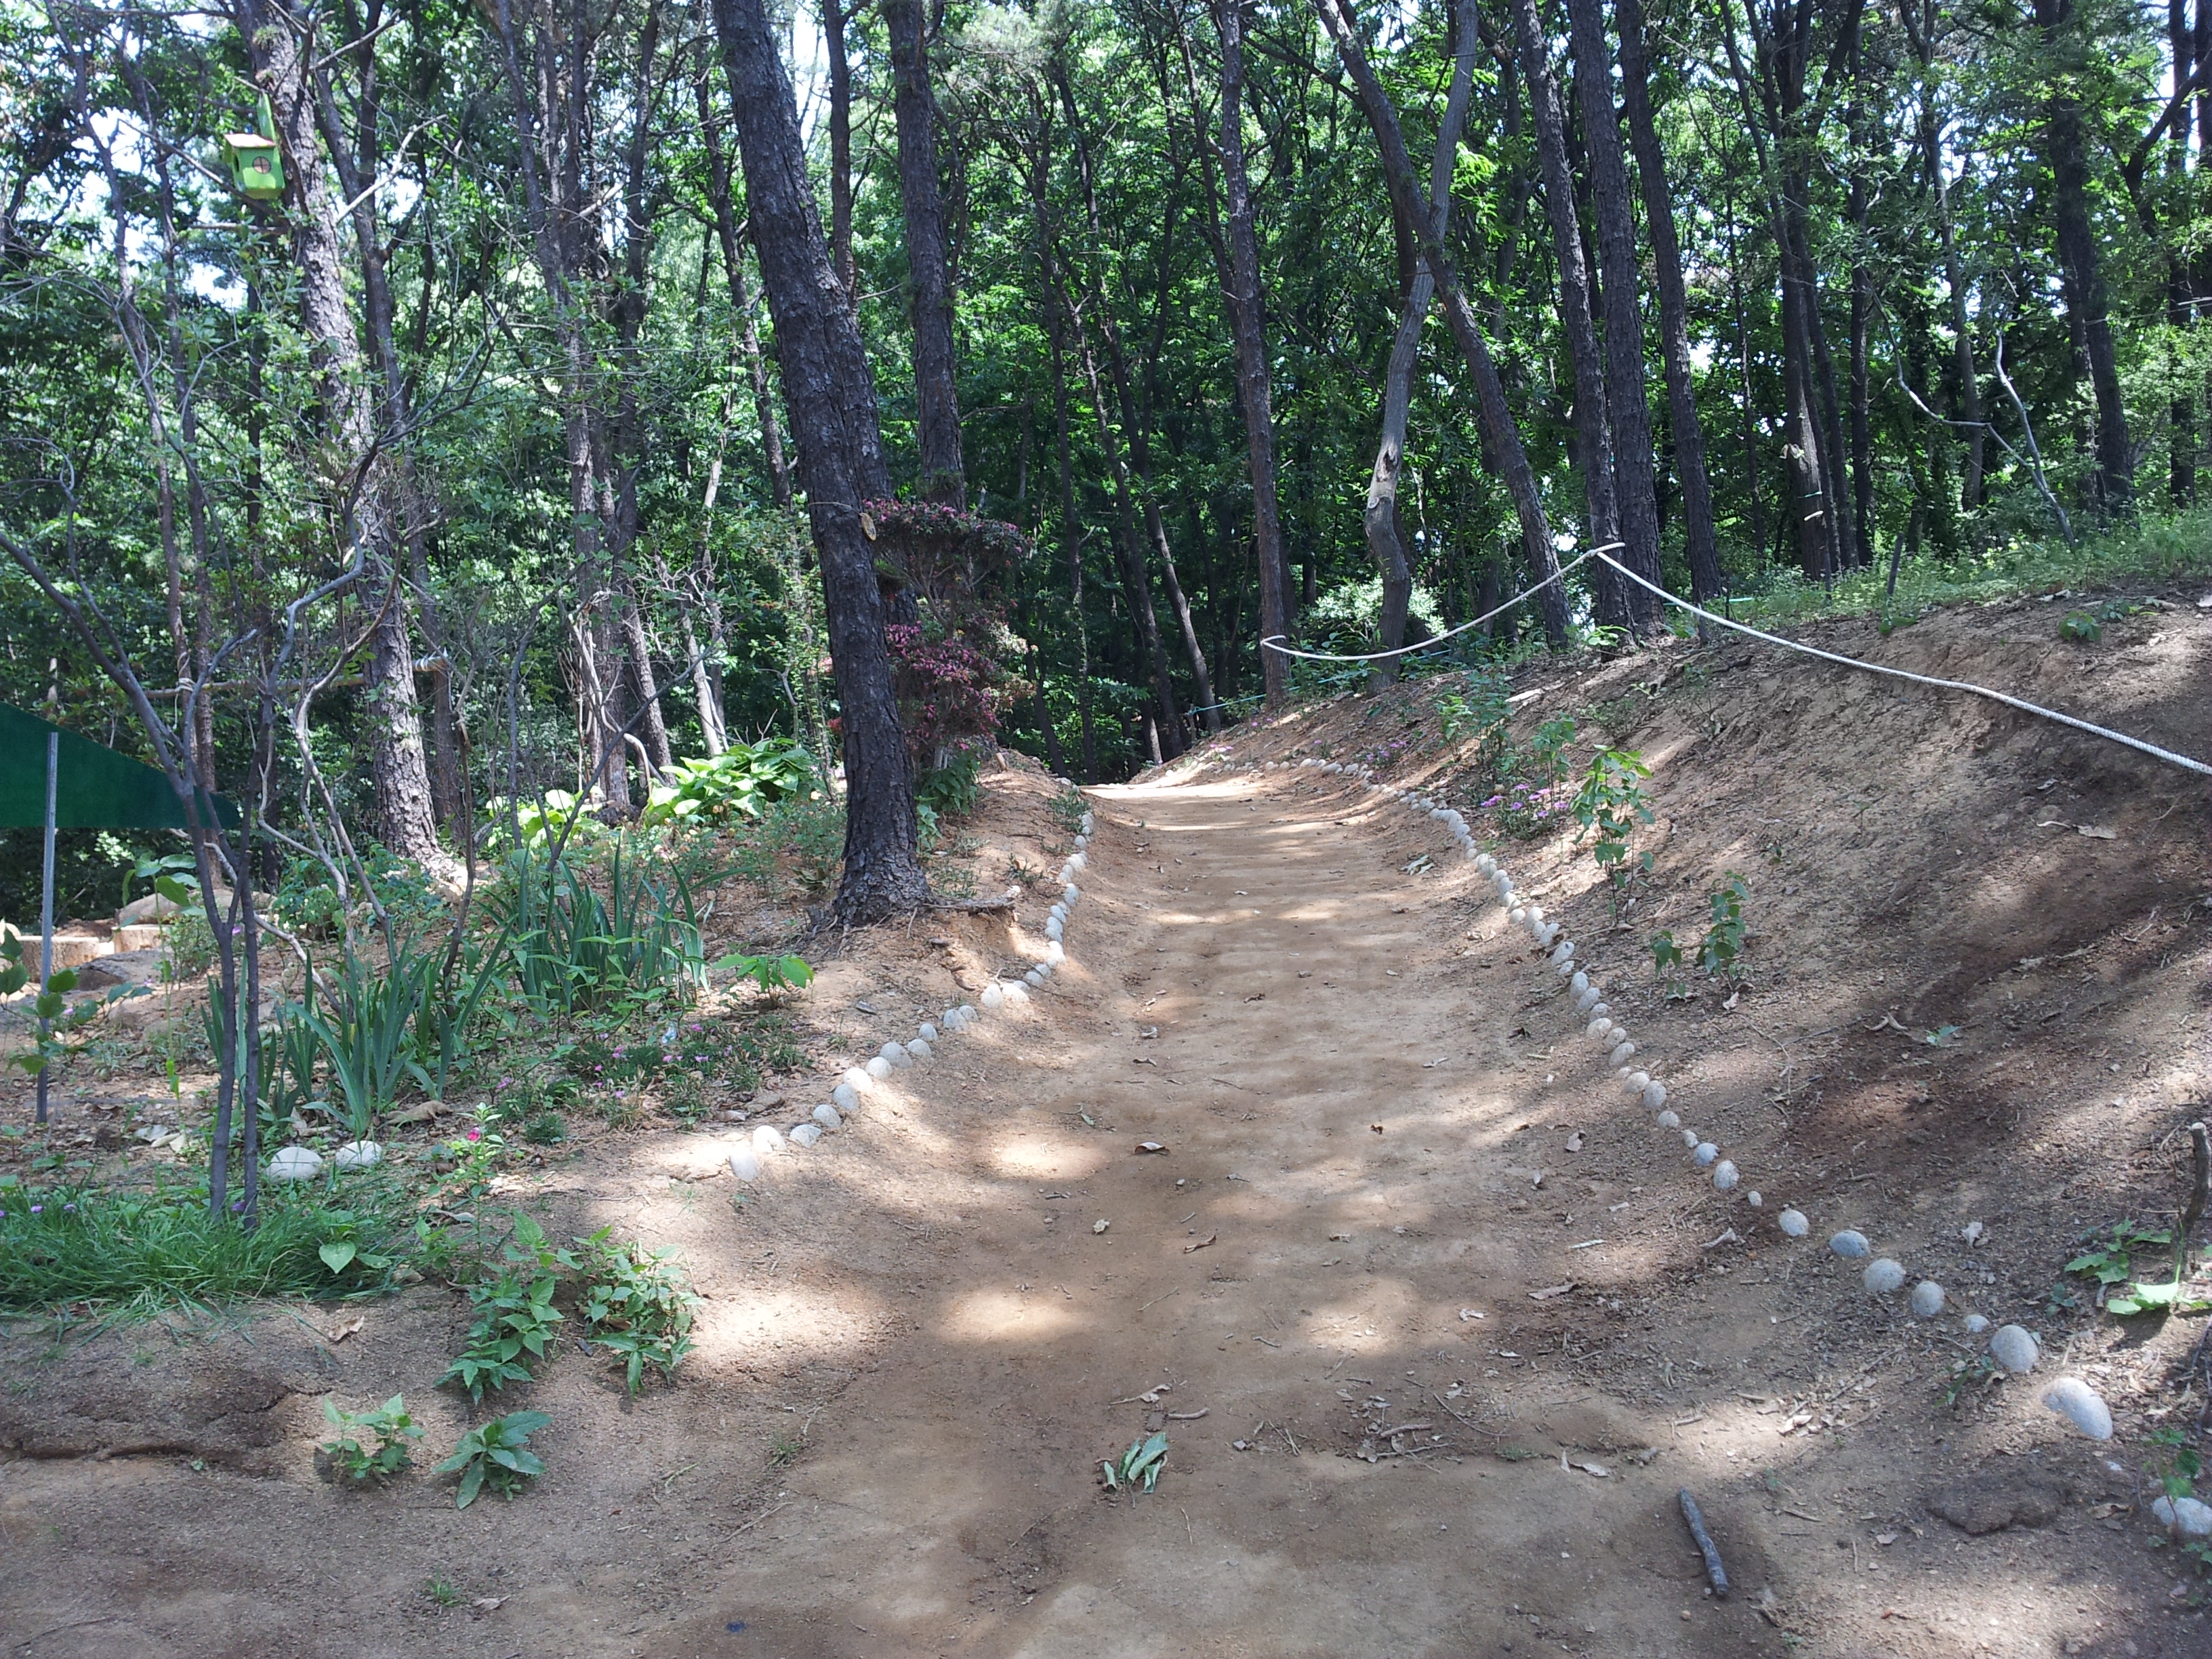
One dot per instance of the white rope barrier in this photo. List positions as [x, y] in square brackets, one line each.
[2011, 1347]
[1603, 554]
[1273, 641]
[1967, 686]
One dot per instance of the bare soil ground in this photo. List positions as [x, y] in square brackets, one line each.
[1339, 1289]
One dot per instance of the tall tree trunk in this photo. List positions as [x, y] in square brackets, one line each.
[1861, 304]
[1921, 17]
[741, 296]
[1627, 405]
[1379, 516]
[2065, 151]
[2180, 311]
[1507, 454]
[834, 19]
[831, 396]
[397, 765]
[1247, 324]
[1593, 429]
[929, 288]
[1700, 541]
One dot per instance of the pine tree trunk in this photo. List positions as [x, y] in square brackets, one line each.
[1593, 429]
[1700, 541]
[1627, 405]
[1248, 328]
[2065, 151]
[1508, 457]
[831, 397]
[397, 765]
[1379, 517]
[929, 289]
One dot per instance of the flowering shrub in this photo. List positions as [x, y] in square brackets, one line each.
[949, 691]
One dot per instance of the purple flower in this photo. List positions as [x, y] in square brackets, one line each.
[37, 1209]
[69, 1209]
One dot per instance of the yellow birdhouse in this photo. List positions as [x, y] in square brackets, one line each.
[256, 170]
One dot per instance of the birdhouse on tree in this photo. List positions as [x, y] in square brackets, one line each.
[256, 170]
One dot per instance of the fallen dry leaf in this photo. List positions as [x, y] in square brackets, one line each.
[1547, 1294]
[347, 1329]
[1150, 1146]
[1201, 1243]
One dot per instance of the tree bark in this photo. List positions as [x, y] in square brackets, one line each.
[1700, 541]
[1627, 405]
[1379, 516]
[1248, 328]
[929, 288]
[2181, 402]
[1508, 455]
[397, 765]
[2065, 151]
[835, 18]
[741, 295]
[831, 397]
[1593, 429]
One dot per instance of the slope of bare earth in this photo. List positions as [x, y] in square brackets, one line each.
[1435, 1324]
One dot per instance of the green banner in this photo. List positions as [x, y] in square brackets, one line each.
[95, 788]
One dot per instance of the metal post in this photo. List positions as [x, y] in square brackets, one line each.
[47, 905]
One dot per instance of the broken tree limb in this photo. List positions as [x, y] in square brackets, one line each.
[1715, 1572]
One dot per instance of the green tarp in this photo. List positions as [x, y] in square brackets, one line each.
[95, 788]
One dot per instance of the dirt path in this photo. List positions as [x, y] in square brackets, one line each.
[917, 1346]
[1340, 1122]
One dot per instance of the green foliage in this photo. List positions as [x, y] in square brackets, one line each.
[769, 973]
[949, 790]
[742, 782]
[495, 1454]
[2081, 628]
[370, 1445]
[2110, 1261]
[804, 836]
[1138, 1468]
[1068, 807]
[572, 947]
[634, 1304]
[1611, 803]
[515, 1319]
[441, 1592]
[1719, 953]
[365, 1031]
[1529, 795]
[1481, 708]
[50, 1006]
[141, 1251]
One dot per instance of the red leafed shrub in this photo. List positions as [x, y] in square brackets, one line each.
[950, 693]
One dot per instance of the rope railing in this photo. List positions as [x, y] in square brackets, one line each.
[2166, 756]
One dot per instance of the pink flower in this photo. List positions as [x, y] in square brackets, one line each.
[473, 1134]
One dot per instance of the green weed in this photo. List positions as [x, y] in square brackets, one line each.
[370, 1445]
[495, 1453]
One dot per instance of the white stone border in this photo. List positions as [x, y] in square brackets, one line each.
[748, 1159]
[2011, 1347]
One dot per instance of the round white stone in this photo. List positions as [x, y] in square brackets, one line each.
[1055, 953]
[1724, 1176]
[826, 1115]
[927, 1033]
[896, 1052]
[745, 1164]
[1598, 1030]
[1690, 1139]
[1620, 1054]
[807, 1134]
[847, 1096]
[1793, 1224]
[1565, 953]
[766, 1139]
[994, 997]
[1704, 1152]
[1654, 1094]
[2015, 1350]
[879, 1068]
[1579, 983]
[358, 1155]
[2081, 1405]
[1850, 1243]
[856, 1079]
[1054, 931]
[1668, 1121]
[919, 1049]
[967, 1013]
[1636, 1082]
[1016, 991]
[1928, 1299]
[1883, 1275]
[1519, 916]
[295, 1163]
[1976, 1324]
[1752, 1199]
[1034, 978]
[2189, 1516]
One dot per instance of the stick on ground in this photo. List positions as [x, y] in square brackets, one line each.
[1714, 1570]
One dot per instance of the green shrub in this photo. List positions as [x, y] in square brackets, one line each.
[494, 1452]
[742, 782]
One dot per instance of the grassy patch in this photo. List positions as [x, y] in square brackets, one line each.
[134, 1253]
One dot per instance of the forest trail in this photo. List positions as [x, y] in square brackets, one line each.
[1340, 1116]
